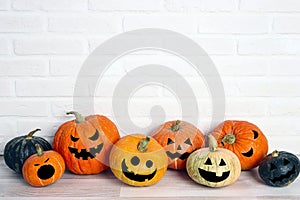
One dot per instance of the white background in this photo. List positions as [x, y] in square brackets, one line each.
[255, 45]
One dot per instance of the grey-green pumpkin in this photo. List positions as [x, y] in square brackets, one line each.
[17, 150]
[279, 168]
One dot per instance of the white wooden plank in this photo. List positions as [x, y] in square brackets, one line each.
[174, 185]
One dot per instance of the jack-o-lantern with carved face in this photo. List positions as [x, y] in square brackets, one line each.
[245, 139]
[85, 143]
[138, 160]
[279, 168]
[212, 166]
[180, 139]
[43, 168]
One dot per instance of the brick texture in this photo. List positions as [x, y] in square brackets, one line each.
[253, 44]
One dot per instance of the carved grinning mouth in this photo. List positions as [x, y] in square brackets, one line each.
[248, 153]
[84, 154]
[136, 177]
[211, 176]
[284, 176]
[178, 155]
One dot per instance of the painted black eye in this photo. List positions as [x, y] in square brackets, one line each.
[272, 166]
[208, 162]
[95, 136]
[36, 164]
[188, 141]
[255, 134]
[286, 161]
[74, 139]
[149, 163]
[170, 141]
[47, 160]
[135, 161]
[222, 163]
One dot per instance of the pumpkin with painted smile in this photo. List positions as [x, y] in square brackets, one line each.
[85, 143]
[245, 139]
[213, 167]
[138, 160]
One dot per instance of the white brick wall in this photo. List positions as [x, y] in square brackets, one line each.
[254, 44]
[4, 47]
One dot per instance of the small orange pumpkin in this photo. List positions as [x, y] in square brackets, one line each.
[85, 143]
[138, 160]
[245, 139]
[179, 139]
[43, 168]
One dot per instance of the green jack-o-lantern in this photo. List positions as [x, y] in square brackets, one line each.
[213, 167]
[279, 168]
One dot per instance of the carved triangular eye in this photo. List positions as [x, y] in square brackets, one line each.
[222, 163]
[95, 136]
[170, 141]
[286, 161]
[188, 141]
[272, 166]
[208, 162]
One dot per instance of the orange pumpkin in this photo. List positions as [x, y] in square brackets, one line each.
[85, 143]
[245, 139]
[138, 160]
[179, 139]
[43, 168]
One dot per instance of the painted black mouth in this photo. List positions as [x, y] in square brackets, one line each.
[178, 155]
[286, 176]
[45, 172]
[211, 176]
[136, 177]
[84, 154]
[249, 153]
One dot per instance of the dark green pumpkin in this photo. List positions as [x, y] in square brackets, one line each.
[279, 168]
[17, 150]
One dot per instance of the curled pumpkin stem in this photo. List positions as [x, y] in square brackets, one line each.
[78, 116]
[30, 134]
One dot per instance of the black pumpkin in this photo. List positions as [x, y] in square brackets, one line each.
[17, 150]
[279, 168]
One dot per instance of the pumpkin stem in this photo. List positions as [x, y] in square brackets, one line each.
[175, 127]
[29, 136]
[143, 145]
[39, 150]
[212, 143]
[229, 138]
[78, 116]
[275, 154]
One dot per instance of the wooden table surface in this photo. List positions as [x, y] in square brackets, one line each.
[174, 185]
